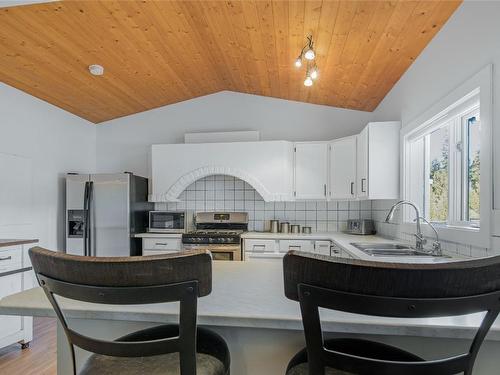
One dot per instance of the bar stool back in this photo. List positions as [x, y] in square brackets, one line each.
[391, 290]
[166, 349]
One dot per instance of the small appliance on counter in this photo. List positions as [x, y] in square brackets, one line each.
[169, 221]
[360, 226]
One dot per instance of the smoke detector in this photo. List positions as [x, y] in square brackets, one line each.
[96, 70]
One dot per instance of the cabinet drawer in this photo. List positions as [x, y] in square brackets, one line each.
[260, 246]
[159, 252]
[11, 258]
[322, 247]
[161, 244]
[297, 245]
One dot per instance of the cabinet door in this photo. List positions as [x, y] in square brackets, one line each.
[343, 168]
[362, 164]
[311, 170]
[11, 284]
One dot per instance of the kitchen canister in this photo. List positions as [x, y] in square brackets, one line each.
[306, 230]
[274, 226]
[295, 228]
[285, 227]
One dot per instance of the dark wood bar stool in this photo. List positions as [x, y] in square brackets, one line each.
[391, 290]
[182, 348]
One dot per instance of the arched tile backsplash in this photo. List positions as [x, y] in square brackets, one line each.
[227, 193]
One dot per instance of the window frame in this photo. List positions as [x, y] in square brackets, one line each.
[479, 85]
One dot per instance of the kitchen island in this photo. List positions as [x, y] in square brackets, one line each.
[263, 329]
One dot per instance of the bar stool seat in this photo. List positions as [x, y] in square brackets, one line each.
[212, 357]
[165, 364]
[358, 347]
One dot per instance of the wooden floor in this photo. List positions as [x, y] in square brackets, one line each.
[39, 358]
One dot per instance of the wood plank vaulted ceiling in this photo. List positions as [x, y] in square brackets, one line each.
[163, 52]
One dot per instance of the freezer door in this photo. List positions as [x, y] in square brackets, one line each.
[110, 215]
[75, 188]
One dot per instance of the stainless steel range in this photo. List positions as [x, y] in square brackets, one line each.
[219, 232]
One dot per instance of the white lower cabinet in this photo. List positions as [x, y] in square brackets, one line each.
[297, 245]
[323, 247]
[260, 246]
[13, 259]
[161, 245]
[337, 251]
[10, 325]
[265, 249]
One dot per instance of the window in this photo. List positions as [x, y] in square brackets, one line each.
[445, 166]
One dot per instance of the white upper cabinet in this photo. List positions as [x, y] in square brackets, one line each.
[378, 161]
[343, 168]
[311, 170]
[362, 164]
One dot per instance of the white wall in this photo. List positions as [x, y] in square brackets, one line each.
[469, 41]
[53, 142]
[123, 144]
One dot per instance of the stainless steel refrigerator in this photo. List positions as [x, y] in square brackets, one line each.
[103, 212]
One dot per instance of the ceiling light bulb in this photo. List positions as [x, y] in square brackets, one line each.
[310, 55]
[308, 81]
[314, 73]
[96, 70]
[298, 62]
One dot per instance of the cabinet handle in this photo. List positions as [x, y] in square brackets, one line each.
[352, 188]
[255, 247]
[161, 244]
[363, 185]
[324, 189]
[6, 258]
[291, 247]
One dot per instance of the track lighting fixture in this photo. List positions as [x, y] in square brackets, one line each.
[308, 54]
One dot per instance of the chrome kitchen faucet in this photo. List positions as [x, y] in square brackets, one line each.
[420, 239]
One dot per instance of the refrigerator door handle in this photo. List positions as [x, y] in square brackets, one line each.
[85, 218]
[90, 204]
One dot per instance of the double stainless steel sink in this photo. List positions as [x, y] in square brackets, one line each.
[389, 249]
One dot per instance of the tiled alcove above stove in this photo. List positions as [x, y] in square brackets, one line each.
[227, 193]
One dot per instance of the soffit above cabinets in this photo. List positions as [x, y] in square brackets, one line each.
[161, 52]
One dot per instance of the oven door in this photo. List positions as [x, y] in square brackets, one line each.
[167, 221]
[219, 252]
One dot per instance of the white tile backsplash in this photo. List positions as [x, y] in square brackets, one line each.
[226, 193]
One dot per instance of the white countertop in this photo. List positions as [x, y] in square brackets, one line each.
[344, 240]
[248, 294]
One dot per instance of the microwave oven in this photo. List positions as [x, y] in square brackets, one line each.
[168, 221]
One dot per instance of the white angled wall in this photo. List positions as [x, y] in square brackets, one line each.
[45, 142]
[123, 144]
[468, 42]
